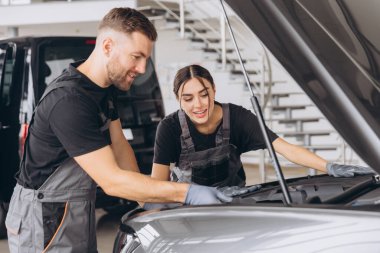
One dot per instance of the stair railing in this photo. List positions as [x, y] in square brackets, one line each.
[222, 52]
[209, 44]
[170, 12]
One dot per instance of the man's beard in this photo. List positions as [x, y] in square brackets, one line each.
[118, 78]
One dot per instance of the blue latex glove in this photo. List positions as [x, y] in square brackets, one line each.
[341, 170]
[204, 195]
[232, 191]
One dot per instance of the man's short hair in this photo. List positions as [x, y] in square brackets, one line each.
[128, 20]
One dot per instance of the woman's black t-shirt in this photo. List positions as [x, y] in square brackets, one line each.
[245, 134]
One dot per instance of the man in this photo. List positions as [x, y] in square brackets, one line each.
[75, 142]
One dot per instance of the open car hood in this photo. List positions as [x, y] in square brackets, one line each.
[332, 50]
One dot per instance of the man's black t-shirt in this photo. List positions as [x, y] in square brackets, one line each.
[66, 124]
[245, 134]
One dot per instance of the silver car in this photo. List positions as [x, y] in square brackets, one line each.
[332, 49]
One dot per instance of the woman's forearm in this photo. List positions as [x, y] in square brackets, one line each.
[299, 155]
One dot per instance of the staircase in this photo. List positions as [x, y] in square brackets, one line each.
[287, 110]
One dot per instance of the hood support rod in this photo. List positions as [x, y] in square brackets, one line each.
[259, 115]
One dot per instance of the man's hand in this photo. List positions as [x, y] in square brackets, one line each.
[340, 170]
[196, 195]
[204, 195]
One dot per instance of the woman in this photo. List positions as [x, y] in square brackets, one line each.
[205, 138]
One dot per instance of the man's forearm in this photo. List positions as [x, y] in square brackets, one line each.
[101, 166]
[125, 156]
[139, 187]
[121, 149]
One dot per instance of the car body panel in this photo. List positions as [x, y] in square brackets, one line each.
[257, 229]
[260, 222]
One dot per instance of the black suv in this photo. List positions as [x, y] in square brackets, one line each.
[27, 65]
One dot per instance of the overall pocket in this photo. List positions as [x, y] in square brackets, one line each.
[68, 230]
[19, 233]
[212, 172]
[52, 219]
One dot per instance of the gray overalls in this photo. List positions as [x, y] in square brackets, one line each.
[60, 215]
[218, 166]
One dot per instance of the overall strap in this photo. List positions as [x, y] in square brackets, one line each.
[54, 86]
[226, 123]
[223, 135]
[61, 84]
[48, 89]
[106, 121]
[187, 143]
[46, 92]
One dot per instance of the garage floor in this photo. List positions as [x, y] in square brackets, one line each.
[107, 225]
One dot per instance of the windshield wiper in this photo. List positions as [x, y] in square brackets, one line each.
[259, 115]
